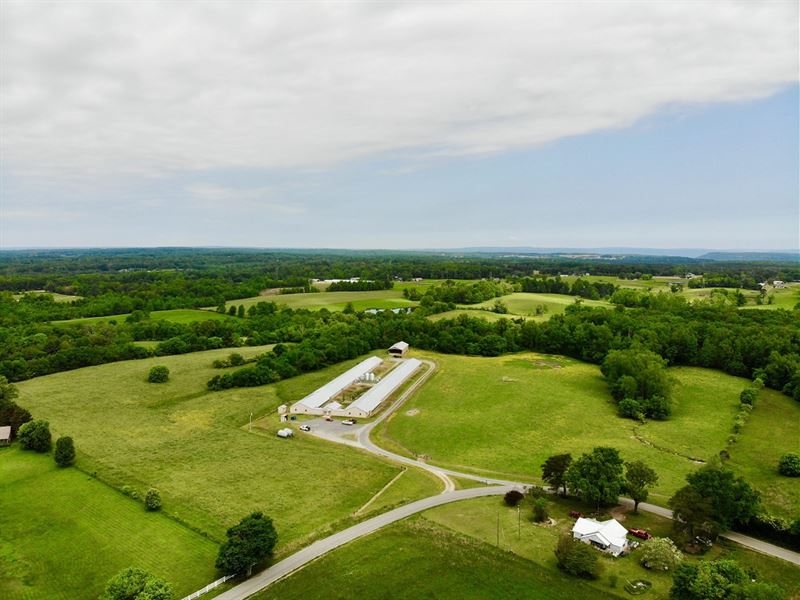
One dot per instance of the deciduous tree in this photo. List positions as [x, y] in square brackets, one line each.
[597, 478]
[249, 542]
[554, 470]
[639, 478]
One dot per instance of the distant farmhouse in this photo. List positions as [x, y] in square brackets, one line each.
[372, 391]
[609, 536]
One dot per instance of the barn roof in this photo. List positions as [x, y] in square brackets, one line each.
[402, 346]
[321, 395]
[370, 400]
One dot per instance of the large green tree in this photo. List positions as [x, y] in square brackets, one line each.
[136, 584]
[639, 478]
[597, 478]
[639, 375]
[554, 471]
[248, 543]
[732, 499]
[35, 435]
[720, 580]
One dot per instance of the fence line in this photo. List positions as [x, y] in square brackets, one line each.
[209, 587]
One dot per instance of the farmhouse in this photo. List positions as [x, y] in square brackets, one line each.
[609, 536]
[5, 435]
[399, 349]
[312, 404]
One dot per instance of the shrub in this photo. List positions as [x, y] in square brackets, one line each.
[136, 584]
[513, 497]
[789, 465]
[236, 359]
[577, 558]
[35, 435]
[158, 374]
[152, 500]
[660, 554]
[65, 451]
[748, 396]
[540, 512]
[630, 408]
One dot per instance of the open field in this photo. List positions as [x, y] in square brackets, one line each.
[180, 315]
[333, 301]
[770, 432]
[419, 559]
[506, 415]
[480, 314]
[450, 552]
[194, 446]
[64, 534]
[56, 296]
[524, 303]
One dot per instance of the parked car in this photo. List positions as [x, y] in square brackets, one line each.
[305, 428]
[701, 541]
[348, 422]
[640, 533]
[575, 514]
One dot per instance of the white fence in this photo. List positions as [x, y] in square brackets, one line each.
[209, 587]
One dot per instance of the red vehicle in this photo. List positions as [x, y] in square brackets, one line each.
[640, 533]
[575, 514]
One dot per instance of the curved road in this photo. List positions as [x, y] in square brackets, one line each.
[498, 487]
[317, 549]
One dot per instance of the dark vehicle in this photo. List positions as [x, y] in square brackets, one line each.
[640, 533]
[575, 514]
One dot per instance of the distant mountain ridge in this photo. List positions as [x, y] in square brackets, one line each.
[672, 253]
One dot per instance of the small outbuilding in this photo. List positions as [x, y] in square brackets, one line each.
[609, 536]
[285, 433]
[5, 435]
[399, 349]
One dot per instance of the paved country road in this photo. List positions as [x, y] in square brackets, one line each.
[498, 487]
[317, 549]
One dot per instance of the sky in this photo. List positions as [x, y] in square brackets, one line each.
[400, 125]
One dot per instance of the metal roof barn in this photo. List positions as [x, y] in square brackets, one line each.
[373, 397]
[321, 395]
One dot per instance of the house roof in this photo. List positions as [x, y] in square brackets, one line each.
[5, 432]
[610, 532]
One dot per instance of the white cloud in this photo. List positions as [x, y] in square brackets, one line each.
[102, 88]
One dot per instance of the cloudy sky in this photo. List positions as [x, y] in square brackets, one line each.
[399, 125]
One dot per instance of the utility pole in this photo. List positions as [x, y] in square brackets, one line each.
[519, 523]
[498, 528]
[251, 423]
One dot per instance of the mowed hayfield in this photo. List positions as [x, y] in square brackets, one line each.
[450, 552]
[525, 303]
[63, 534]
[56, 296]
[194, 445]
[333, 301]
[179, 315]
[506, 415]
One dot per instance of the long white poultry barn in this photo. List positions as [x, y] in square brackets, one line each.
[366, 405]
[312, 404]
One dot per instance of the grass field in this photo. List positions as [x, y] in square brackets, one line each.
[64, 534]
[450, 552]
[194, 446]
[506, 415]
[333, 301]
[181, 315]
[524, 304]
[56, 296]
[418, 559]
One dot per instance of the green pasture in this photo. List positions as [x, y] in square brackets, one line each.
[506, 415]
[524, 303]
[180, 315]
[482, 518]
[195, 447]
[770, 431]
[452, 552]
[56, 296]
[417, 558]
[333, 301]
[480, 314]
[63, 534]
